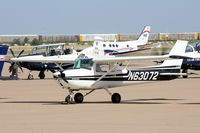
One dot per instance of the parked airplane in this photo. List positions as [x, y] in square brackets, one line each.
[43, 51]
[191, 58]
[105, 72]
[114, 48]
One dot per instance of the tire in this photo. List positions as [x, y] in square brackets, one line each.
[185, 76]
[116, 98]
[78, 98]
[67, 99]
[185, 71]
[30, 77]
[42, 75]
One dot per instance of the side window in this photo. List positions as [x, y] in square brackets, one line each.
[102, 68]
[104, 45]
[113, 45]
[109, 45]
[127, 45]
[117, 45]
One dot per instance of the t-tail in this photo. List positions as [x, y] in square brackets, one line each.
[3, 53]
[144, 36]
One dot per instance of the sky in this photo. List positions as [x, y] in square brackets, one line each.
[98, 16]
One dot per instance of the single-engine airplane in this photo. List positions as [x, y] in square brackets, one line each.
[105, 72]
[191, 58]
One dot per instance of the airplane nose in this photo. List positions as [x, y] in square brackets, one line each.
[62, 74]
[56, 74]
[59, 74]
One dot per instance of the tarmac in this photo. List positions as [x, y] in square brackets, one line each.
[36, 106]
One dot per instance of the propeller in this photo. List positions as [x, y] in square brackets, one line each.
[17, 63]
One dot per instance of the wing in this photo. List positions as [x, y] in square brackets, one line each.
[49, 59]
[130, 58]
[71, 58]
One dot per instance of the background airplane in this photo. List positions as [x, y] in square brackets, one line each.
[114, 48]
[191, 58]
[42, 51]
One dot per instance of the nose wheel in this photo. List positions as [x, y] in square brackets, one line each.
[78, 98]
[30, 76]
[68, 99]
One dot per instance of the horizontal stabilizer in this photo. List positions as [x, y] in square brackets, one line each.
[174, 62]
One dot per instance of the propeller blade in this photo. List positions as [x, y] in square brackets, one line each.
[20, 53]
[12, 52]
[20, 66]
[11, 67]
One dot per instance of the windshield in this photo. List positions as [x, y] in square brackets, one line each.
[83, 63]
[49, 50]
[193, 47]
[39, 50]
[189, 48]
[56, 50]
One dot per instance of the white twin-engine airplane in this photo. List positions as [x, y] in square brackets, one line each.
[113, 48]
[105, 72]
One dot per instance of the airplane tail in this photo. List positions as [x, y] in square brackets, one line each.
[177, 50]
[144, 36]
[3, 53]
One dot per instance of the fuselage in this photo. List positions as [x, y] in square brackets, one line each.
[83, 79]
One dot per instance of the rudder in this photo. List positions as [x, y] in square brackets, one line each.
[144, 36]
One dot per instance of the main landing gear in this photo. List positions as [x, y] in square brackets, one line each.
[78, 97]
[185, 71]
[30, 76]
[115, 97]
[41, 75]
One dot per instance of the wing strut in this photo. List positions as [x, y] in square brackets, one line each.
[103, 76]
[59, 66]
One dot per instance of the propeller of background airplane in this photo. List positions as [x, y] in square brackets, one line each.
[13, 63]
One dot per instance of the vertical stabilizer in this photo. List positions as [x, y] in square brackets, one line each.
[3, 53]
[144, 36]
[179, 48]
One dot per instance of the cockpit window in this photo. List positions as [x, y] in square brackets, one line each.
[193, 47]
[49, 49]
[83, 63]
[189, 49]
[198, 47]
